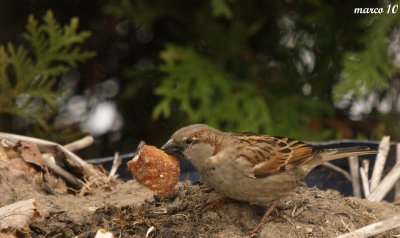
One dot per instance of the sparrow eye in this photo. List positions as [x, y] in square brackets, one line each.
[189, 141]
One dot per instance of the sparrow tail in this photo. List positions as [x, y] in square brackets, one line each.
[332, 154]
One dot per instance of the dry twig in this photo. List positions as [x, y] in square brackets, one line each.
[374, 229]
[380, 161]
[80, 144]
[116, 163]
[355, 175]
[364, 177]
[386, 185]
[51, 164]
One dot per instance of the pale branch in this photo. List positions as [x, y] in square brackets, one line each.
[364, 177]
[374, 228]
[365, 165]
[364, 181]
[386, 184]
[80, 144]
[116, 163]
[355, 176]
[380, 161]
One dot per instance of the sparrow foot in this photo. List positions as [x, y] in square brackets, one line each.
[213, 204]
[256, 230]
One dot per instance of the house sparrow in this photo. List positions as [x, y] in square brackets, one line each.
[248, 166]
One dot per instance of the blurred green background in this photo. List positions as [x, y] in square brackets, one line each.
[128, 70]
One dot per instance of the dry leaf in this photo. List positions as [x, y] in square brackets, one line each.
[19, 214]
[30, 153]
[17, 175]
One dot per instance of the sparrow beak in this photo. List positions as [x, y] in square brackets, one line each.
[173, 149]
[167, 146]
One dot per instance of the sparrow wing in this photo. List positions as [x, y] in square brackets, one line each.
[271, 154]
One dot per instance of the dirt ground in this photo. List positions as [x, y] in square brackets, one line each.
[129, 210]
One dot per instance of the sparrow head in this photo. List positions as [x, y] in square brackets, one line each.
[195, 143]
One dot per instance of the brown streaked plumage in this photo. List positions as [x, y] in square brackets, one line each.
[248, 166]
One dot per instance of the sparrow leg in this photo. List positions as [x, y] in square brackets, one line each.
[263, 219]
[213, 204]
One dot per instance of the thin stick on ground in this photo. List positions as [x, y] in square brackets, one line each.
[364, 177]
[355, 176]
[49, 159]
[374, 229]
[380, 161]
[338, 169]
[80, 144]
[116, 163]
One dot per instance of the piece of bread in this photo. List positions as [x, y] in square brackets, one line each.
[155, 169]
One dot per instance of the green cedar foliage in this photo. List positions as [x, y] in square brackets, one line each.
[371, 68]
[207, 93]
[240, 65]
[28, 74]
